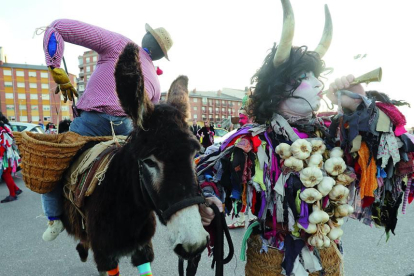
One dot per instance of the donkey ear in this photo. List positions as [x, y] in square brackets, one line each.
[178, 95]
[130, 84]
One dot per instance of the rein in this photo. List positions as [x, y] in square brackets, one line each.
[221, 229]
[165, 215]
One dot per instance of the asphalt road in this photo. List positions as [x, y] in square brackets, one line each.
[23, 252]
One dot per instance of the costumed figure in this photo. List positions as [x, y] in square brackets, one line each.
[301, 174]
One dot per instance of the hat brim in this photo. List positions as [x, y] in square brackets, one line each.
[157, 38]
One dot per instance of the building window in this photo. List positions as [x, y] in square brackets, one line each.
[8, 84]
[9, 96]
[223, 110]
[23, 118]
[7, 72]
[203, 108]
[81, 87]
[44, 75]
[10, 107]
[88, 59]
[33, 96]
[95, 58]
[21, 85]
[195, 116]
[45, 86]
[94, 67]
[19, 73]
[217, 102]
[45, 97]
[46, 107]
[80, 59]
[21, 96]
[217, 109]
[32, 74]
[33, 85]
[195, 107]
[22, 107]
[35, 118]
[34, 107]
[223, 102]
[210, 110]
[195, 100]
[65, 108]
[210, 102]
[223, 117]
[88, 69]
[204, 100]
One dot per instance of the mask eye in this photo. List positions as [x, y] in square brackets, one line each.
[304, 76]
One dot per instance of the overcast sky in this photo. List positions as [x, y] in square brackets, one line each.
[221, 43]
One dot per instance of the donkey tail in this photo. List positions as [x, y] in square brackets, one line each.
[82, 249]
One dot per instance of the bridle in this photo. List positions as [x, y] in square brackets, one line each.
[164, 215]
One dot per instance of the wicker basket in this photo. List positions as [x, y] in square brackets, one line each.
[270, 263]
[47, 156]
[17, 137]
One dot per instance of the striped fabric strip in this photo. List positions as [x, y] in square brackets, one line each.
[100, 94]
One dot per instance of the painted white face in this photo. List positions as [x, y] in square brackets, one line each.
[311, 90]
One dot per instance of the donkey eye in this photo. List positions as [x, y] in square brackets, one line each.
[150, 163]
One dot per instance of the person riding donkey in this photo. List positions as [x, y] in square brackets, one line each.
[100, 111]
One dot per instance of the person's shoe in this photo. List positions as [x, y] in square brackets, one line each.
[9, 199]
[236, 225]
[53, 230]
[18, 192]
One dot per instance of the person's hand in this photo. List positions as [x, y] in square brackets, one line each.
[344, 83]
[64, 84]
[207, 214]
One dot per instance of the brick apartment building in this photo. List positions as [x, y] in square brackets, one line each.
[213, 105]
[27, 93]
[87, 64]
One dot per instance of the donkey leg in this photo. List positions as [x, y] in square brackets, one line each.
[142, 257]
[82, 248]
[104, 262]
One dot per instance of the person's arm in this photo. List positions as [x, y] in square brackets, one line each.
[207, 214]
[76, 32]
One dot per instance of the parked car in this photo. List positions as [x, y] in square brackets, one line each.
[219, 140]
[18, 126]
[219, 132]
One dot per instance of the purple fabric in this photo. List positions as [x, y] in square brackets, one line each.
[242, 131]
[100, 94]
[301, 135]
[263, 205]
[304, 215]
[325, 201]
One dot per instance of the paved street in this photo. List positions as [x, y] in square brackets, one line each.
[23, 252]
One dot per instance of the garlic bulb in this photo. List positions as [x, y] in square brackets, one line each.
[310, 230]
[301, 149]
[311, 176]
[339, 192]
[339, 221]
[326, 241]
[335, 233]
[325, 229]
[318, 216]
[315, 160]
[294, 164]
[343, 210]
[318, 146]
[336, 152]
[283, 150]
[335, 166]
[326, 185]
[316, 241]
[310, 195]
[344, 179]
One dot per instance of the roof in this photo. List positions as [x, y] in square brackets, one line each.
[24, 66]
[210, 95]
[28, 66]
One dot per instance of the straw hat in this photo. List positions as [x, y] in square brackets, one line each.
[163, 38]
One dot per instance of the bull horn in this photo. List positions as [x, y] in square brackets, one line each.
[285, 44]
[326, 39]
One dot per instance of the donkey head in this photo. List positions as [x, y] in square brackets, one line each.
[164, 149]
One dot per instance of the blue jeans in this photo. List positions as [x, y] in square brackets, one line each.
[88, 124]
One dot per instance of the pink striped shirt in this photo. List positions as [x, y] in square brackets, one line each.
[100, 94]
